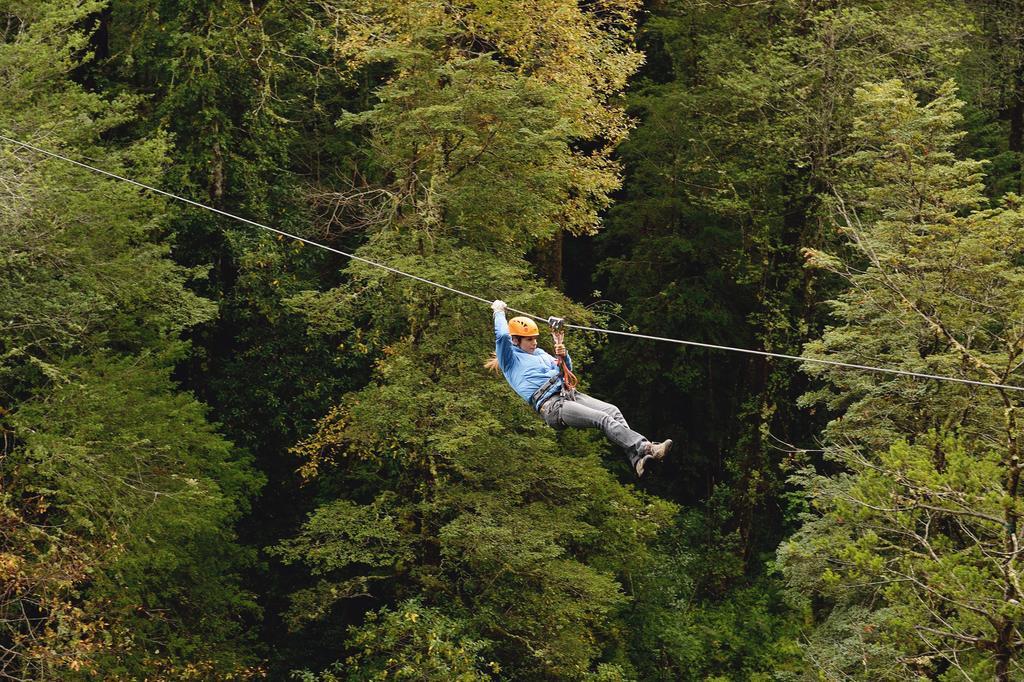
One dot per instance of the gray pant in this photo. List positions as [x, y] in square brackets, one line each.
[582, 411]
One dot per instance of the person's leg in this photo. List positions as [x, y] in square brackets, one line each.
[601, 406]
[655, 450]
[587, 412]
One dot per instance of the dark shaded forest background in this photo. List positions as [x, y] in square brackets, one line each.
[227, 456]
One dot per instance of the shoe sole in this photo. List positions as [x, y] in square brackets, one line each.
[644, 461]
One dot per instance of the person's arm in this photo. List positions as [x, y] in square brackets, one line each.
[502, 339]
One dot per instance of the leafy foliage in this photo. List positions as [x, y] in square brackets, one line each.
[118, 496]
[689, 159]
[411, 643]
[475, 517]
[745, 115]
[918, 535]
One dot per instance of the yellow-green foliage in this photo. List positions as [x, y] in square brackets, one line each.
[476, 127]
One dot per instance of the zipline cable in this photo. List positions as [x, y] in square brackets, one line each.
[253, 222]
[800, 358]
[733, 349]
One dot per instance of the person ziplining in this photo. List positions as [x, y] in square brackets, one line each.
[548, 385]
[573, 409]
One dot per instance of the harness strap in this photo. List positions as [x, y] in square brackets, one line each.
[538, 396]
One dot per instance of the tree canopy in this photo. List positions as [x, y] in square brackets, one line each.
[229, 455]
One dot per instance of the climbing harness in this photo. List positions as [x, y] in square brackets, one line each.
[565, 376]
[561, 326]
[538, 398]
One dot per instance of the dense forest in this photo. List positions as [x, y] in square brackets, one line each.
[226, 454]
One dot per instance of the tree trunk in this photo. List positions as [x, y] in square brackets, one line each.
[1016, 116]
[1004, 643]
[547, 256]
[1016, 108]
[1002, 670]
[1004, 653]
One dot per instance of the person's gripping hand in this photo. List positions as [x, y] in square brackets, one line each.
[498, 306]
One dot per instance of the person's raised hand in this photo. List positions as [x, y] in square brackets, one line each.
[498, 306]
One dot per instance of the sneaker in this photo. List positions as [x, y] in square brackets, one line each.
[659, 450]
[641, 463]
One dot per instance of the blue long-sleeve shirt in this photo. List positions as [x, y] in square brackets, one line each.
[525, 372]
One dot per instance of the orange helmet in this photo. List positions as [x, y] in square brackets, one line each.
[523, 326]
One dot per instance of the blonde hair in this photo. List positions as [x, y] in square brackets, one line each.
[492, 364]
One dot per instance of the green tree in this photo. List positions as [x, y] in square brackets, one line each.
[476, 134]
[912, 549]
[744, 111]
[992, 83]
[492, 133]
[411, 642]
[247, 95]
[118, 497]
